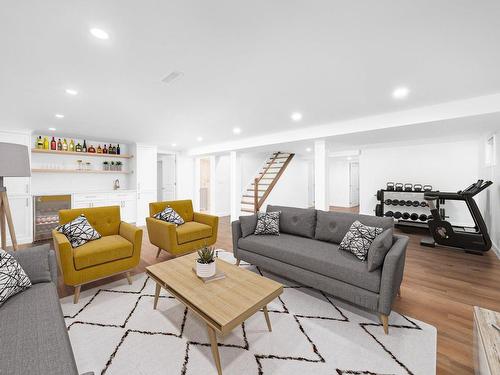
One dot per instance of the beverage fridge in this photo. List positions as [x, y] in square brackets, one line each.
[46, 214]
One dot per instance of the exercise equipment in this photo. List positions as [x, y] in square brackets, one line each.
[408, 203]
[414, 216]
[427, 188]
[397, 215]
[399, 186]
[423, 217]
[423, 204]
[471, 239]
[406, 215]
[389, 214]
[417, 187]
[415, 204]
[379, 210]
[408, 187]
[390, 186]
[388, 202]
[395, 202]
[402, 202]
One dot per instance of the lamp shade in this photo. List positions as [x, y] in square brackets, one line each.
[14, 160]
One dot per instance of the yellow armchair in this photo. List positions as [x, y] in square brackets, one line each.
[117, 251]
[198, 229]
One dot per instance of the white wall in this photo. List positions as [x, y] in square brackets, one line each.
[339, 194]
[222, 186]
[447, 166]
[185, 177]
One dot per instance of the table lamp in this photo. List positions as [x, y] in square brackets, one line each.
[14, 162]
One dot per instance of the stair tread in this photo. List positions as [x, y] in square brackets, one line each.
[246, 210]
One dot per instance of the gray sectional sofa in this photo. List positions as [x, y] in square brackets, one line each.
[307, 251]
[32, 329]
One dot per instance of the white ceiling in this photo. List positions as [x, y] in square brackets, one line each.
[246, 63]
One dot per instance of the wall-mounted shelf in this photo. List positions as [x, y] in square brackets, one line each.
[55, 170]
[83, 154]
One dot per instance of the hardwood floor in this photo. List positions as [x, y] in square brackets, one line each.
[440, 287]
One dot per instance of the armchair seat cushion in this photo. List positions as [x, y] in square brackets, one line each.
[106, 249]
[192, 231]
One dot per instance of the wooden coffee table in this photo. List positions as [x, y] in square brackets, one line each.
[221, 304]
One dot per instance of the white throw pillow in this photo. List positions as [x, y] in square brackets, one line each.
[358, 239]
[169, 215]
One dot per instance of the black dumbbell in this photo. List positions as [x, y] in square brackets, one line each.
[390, 186]
[423, 204]
[423, 217]
[414, 216]
[389, 214]
[416, 203]
[402, 202]
[429, 217]
[388, 202]
[406, 215]
[408, 187]
[378, 210]
[417, 187]
[395, 202]
[397, 215]
[399, 186]
[408, 203]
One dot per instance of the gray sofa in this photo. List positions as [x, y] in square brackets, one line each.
[307, 251]
[32, 329]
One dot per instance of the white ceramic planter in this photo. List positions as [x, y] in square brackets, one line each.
[205, 270]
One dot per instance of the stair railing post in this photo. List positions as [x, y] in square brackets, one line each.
[256, 195]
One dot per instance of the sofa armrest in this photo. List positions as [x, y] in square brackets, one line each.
[132, 234]
[38, 262]
[162, 233]
[392, 273]
[237, 234]
[211, 220]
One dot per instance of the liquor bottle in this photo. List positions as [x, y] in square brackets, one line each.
[46, 144]
[110, 149]
[84, 148]
[59, 145]
[78, 147]
[91, 149]
[39, 142]
[99, 149]
[65, 145]
[118, 149]
[71, 146]
[114, 150]
[53, 144]
[104, 149]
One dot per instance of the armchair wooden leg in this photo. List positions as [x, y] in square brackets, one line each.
[384, 319]
[237, 262]
[158, 253]
[129, 278]
[76, 296]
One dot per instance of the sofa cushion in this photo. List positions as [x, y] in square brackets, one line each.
[79, 231]
[106, 220]
[35, 262]
[248, 224]
[268, 223]
[183, 207]
[297, 221]
[358, 239]
[192, 231]
[316, 256]
[333, 226]
[13, 279]
[37, 341]
[379, 249]
[106, 249]
[170, 216]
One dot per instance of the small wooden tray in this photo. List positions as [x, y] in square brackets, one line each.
[219, 275]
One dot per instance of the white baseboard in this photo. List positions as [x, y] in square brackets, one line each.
[496, 250]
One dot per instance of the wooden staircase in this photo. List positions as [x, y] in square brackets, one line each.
[253, 198]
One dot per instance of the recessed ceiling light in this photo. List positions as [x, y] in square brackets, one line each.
[308, 149]
[99, 33]
[236, 130]
[71, 92]
[296, 116]
[199, 139]
[400, 93]
[174, 144]
[52, 129]
[58, 115]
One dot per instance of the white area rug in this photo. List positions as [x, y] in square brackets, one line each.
[114, 330]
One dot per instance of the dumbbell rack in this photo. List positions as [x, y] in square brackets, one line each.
[382, 208]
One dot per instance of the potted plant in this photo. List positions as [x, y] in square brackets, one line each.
[105, 166]
[119, 166]
[205, 264]
[112, 166]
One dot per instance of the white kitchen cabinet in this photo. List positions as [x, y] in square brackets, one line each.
[146, 180]
[20, 207]
[126, 200]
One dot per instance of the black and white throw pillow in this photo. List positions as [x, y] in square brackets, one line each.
[268, 223]
[13, 279]
[79, 231]
[358, 239]
[169, 215]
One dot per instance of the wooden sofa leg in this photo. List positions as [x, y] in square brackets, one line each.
[237, 262]
[384, 319]
[158, 253]
[76, 296]
[129, 278]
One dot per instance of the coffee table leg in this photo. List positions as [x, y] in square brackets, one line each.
[215, 349]
[157, 295]
[268, 321]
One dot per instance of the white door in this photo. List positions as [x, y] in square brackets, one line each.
[167, 178]
[354, 184]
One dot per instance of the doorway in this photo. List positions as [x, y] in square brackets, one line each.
[166, 168]
[205, 177]
[353, 184]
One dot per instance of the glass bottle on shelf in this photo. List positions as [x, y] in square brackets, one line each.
[118, 149]
[46, 144]
[110, 149]
[99, 149]
[53, 144]
[71, 146]
[104, 149]
[78, 147]
[84, 148]
[65, 145]
[39, 142]
[59, 145]
[91, 149]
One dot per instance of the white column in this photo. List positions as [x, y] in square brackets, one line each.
[320, 176]
[213, 177]
[235, 185]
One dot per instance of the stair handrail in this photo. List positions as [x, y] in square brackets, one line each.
[256, 184]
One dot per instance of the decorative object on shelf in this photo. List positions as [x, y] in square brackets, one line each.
[118, 165]
[91, 149]
[205, 263]
[80, 165]
[39, 142]
[71, 146]
[118, 149]
[53, 144]
[46, 143]
[78, 147]
[14, 162]
[104, 149]
[84, 147]
[105, 166]
[116, 184]
[88, 166]
[99, 149]
[59, 145]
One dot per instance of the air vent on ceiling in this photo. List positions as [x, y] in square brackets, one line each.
[172, 77]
